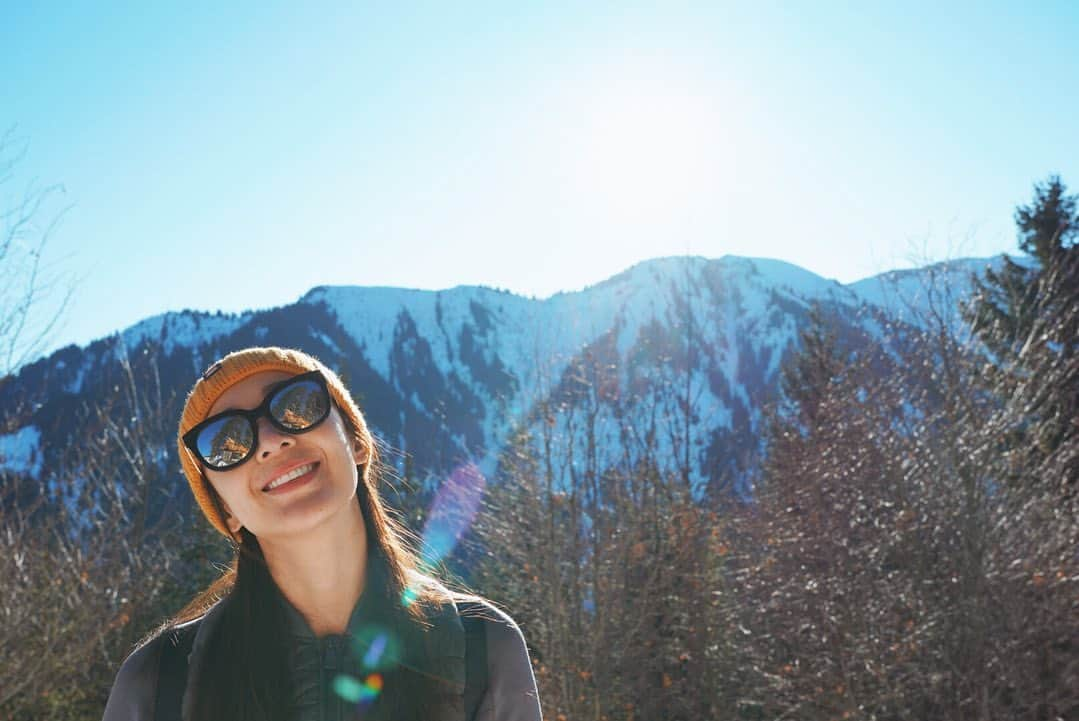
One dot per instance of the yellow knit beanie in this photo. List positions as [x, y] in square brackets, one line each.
[229, 371]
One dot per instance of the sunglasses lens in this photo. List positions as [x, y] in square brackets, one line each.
[226, 441]
[300, 405]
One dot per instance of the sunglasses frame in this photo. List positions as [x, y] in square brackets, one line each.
[252, 416]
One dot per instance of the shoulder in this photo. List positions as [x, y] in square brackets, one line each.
[503, 634]
[133, 692]
[511, 686]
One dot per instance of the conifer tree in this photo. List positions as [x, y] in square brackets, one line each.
[1048, 226]
[1003, 309]
[1028, 319]
[817, 363]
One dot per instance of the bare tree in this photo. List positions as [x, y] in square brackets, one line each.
[97, 557]
[912, 551]
[33, 296]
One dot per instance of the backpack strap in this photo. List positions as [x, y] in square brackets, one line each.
[172, 672]
[472, 618]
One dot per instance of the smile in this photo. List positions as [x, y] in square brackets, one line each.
[290, 476]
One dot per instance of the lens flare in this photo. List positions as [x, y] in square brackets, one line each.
[354, 691]
[451, 514]
[377, 648]
[373, 685]
[374, 653]
[409, 596]
[348, 688]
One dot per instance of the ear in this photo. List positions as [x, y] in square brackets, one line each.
[231, 521]
[234, 525]
[224, 512]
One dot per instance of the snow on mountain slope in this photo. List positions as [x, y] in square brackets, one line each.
[735, 317]
[742, 314]
[20, 451]
[924, 297]
[914, 295]
[186, 328]
[450, 374]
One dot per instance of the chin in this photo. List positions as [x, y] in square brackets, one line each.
[325, 513]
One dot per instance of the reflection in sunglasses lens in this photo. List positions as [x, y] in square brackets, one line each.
[299, 406]
[226, 441]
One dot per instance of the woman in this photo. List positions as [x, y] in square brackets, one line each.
[324, 613]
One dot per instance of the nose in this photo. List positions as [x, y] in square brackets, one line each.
[271, 440]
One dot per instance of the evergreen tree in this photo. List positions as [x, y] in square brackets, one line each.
[1006, 305]
[1049, 225]
[808, 373]
[1028, 319]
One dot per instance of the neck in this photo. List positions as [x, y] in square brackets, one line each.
[323, 573]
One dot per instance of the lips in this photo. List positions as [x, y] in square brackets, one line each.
[290, 475]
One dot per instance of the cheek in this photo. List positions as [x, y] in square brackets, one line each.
[343, 433]
[219, 487]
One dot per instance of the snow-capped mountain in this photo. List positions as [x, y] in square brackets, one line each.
[449, 376]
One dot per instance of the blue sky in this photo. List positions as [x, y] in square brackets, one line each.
[230, 158]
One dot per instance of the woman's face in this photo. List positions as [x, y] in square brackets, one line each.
[325, 459]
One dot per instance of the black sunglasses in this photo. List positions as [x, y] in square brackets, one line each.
[296, 405]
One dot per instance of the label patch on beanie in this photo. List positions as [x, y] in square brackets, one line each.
[211, 370]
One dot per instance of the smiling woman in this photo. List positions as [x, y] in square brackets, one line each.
[324, 613]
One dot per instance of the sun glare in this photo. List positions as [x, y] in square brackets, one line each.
[650, 146]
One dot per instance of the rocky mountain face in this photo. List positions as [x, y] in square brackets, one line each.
[678, 355]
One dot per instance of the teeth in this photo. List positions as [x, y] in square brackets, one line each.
[294, 473]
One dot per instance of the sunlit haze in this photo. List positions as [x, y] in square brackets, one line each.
[235, 157]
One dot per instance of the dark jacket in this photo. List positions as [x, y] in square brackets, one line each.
[510, 689]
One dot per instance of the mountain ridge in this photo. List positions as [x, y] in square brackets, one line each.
[448, 376]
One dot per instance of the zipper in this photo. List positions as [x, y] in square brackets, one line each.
[331, 662]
